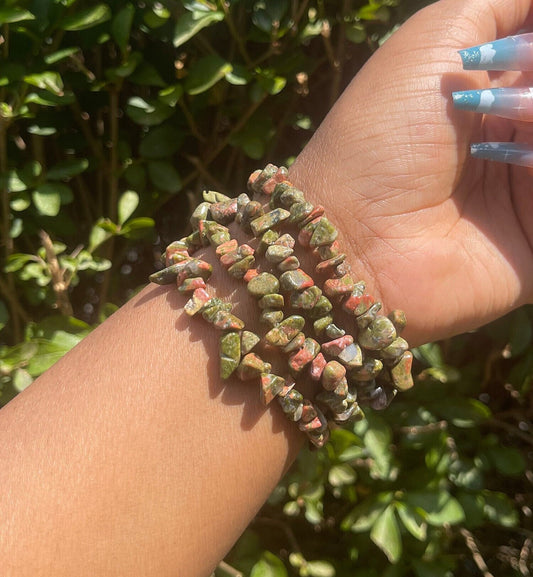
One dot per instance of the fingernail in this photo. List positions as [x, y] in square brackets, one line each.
[511, 53]
[509, 152]
[513, 103]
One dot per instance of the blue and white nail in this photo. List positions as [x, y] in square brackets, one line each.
[511, 53]
[513, 103]
[509, 152]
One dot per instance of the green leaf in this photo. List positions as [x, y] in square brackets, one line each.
[127, 204]
[86, 18]
[50, 81]
[320, 569]
[269, 566]
[340, 475]
[97, 237]
[386, 534]
[18, 356]
[500, 509]
[147, 112]
[508, 460]
[363, 516]
[50, 351]
[121, 26]
[438, 508]
[12, 14]
[136, 227]
[291, 509]
[473, 505]
[192, 22]
[164, 176]
[19, 201]
[171, 95]
[412, 521]
[206, 72]
[463, 413]
[21, 379]
[377, 441]
[161, 142]
[61, 55]
[67, 168]
[17, 260]
[47, 200]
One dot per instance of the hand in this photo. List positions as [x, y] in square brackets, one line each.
[447, 238]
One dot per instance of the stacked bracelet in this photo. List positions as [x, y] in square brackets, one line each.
[364, 369]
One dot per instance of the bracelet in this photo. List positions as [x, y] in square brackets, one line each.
[364, 369]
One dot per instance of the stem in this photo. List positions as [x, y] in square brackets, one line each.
[229, 570]
[474, 550]
[60, 283]
[235, 34]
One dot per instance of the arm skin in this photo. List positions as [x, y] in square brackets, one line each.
[129, 458]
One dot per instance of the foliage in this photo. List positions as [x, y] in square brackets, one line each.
[113, 117]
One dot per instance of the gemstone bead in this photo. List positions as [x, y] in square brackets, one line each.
[241, 267]
[230, 258]
[198, 300]
[351, 357]
[201, 212]
[306, 299]
[352, 413]
[258, 178]
[272, 318]
[252, 366]
[401, 372]
[191, 284]
[306, 233]
[175, 254]
[230, 353]
[321, 324]
[290, 263]
[268, 238]
[379, 334]
[317, 212]
[276, 253]
[299, 360]
[166, 275]
[248, 341]
[398, 320]
[296, 343]
[250, 274]
[227, 247]
[291, 402]
[279, 189]
[300, 211]
[334, 348]
[281, 335]
[339, 287]
[329, 266]
[225, 321]
[369, 370]
[224, 212]
[194, 268]
[269, 220]
[367, 317]
[249, 213]
[318, 425]
[328, 251]
[334, 332]
[317, 367]
[291, 195]
[272, 301]
[358, 303]
[211, 308]
[395, 350]
[212, 196]
[286, 240]
[271, 386]
[295, 280]
[263, 284]
[324, 233]
[322, 307]
[333, 373]
[309, 412]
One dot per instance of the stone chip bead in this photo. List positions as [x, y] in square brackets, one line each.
[395, 350]
[276, 253]
[225, 321]
[252, 366]
[248, 341]
[194, 268]
[317, 367]
[212, 306]
[332, 375]
[351, 357]
[295, 344]
[324, 233]
[259, 177]
[305, 299]
[167, 275]
[339, 287]
[335, 347]
[263, 284]
[292, 402]
[191, 284]
[241, 267]
[380, 333]
[401, 372]
[300, 359]
[268, 239]
[299, 211]
[368, 316]
[224, 212]
[212, 196]
[230, 353]
[269, 220]
[271, 387]
[272, 301]
[249, 213]
[201, 212]
[398, 320]
[270, 317]
[283, 334]
[368, 371]
[295, 280]
[290, 263]
[197, 302]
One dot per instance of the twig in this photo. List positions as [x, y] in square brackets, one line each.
[511, 429]
[429, 428]
[476, 554]
[235, 34]
[525, 552]
[229, 569]
[60, 281]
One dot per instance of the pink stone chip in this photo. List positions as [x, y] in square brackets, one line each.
[335, 347]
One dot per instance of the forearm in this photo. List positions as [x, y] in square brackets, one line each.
[129, 456]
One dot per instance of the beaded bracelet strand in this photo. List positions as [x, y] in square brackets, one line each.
[355, 375]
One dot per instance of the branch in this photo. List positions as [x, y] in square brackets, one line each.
[476, 555]
[60, 283]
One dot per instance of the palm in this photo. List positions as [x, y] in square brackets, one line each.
[445, 237]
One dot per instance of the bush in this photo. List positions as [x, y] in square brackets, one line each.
[113, 118]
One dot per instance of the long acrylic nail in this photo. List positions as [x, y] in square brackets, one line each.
[510, 152]
[513, 103]
[511, 53]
